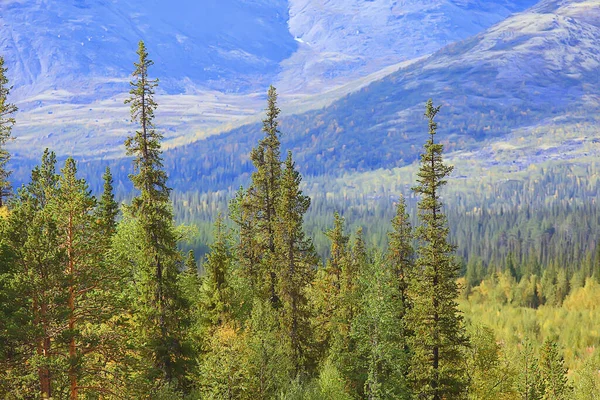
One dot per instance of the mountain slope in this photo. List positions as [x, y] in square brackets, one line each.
[70, 60]
[535, 69]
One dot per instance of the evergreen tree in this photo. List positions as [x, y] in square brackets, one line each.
[216, 292]
[257, 208]
[297, 260]
[32, 239]
[326, 294]
[436, 368]
[158, 299]
[380, 354]
[269, 367]
[401, 254]
[107, 209]
[7, 121]
[530, 384]
[89, 280]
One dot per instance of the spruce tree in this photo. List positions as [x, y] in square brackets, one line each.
[216, 292]
[257, 208]
[400, 253]
[436, 368]
[158, 297]
[7, 121]
[326, 294]
[380, 360]
[297, 260]
[107, 209]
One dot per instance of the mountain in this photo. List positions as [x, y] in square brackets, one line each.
[535, 72]
[70, 60]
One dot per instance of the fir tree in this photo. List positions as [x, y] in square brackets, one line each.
[257, 208]
[297, 260]
[107, 209]
[401, 253]
[216, 292]
[326, 294]
[7, 121]
[436, 366]
[158, 299]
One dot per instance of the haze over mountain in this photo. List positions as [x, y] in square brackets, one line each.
[70, 61]
[532, 76]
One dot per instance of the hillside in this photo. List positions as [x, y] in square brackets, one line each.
[535, 72]
[70, 61]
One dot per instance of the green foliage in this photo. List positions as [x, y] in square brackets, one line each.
[380, 344]
[491, 375]
[297, 260]
[108, 209]
[92, 308]
[156, 300]
[433, 318]
[554, 373]
[7, 120]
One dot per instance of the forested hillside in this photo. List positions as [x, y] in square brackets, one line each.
[428, 287]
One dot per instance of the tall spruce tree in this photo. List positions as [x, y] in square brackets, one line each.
[7, 120]
[158, 297]
[297, 259]
[256, 213]
[436, 368]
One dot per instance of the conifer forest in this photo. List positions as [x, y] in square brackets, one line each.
[276, 291]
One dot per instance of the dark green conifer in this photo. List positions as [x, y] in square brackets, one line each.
[216, 291]
[297, 260]
[157, 300]
[400, 253]
[108, 208]
[436, 368]
[257, 208]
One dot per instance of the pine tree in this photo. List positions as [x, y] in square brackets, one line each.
[158, 299]
[297, 260]
[256, 213]
[7, 121]
[89, 301]
[530, 384]
[32, 237]
[436, 367]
